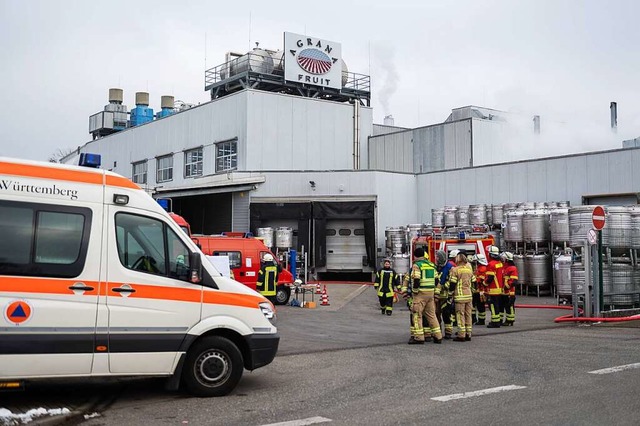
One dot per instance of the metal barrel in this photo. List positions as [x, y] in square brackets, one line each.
[513, 230]
[437, 218]
[396, 240]
[617, 229]
[284, 237]
[535, 226]
[266, 234]
[580, 222]
[562, 274]
[478, 214]
[401, 263]
[462, 216]
[538, 267]
[496, 214]
[450, 216]
[559, 224]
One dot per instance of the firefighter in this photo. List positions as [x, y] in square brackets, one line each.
[479, 298]
[268, 277]
[462, 279]
[494, 282]
[510, 277]
[422, 282]
[444, 302]
[386, 281]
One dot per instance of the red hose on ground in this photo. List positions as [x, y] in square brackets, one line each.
[570, 318]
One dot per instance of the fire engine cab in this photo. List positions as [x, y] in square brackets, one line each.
[470, 240]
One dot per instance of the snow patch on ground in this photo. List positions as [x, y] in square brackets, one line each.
[7, 418]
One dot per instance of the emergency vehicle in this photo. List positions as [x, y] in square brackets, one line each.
[468, 239]
[97, 280]
[245, 256]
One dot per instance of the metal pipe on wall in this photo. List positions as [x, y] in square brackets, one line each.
[356, 135]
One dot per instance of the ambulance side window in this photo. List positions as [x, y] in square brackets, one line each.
[150, 246]
[43, 240]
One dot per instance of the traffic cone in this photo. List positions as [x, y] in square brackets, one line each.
[318, 291]
[325, 297]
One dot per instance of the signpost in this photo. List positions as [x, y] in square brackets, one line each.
[598, 220]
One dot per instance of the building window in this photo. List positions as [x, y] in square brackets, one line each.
[193, 163]
[164, 169]
[139, 174]
[226, 156]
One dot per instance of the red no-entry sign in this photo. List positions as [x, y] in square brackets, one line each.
[597, 217]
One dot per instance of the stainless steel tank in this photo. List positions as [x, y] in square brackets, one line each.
[618, 287]
[528, 205]
[538, 267]
[414, 230]
[551, 204]
[437, 218]
[617, 229]
[462, 216]
[563, 204]
[562, 274]
[267, 235]
[257, 60]
[450, 216]
[396, 240]
[284, 237]
[496, 214]
[634, 212]
[578, 276]
[497, 237]
[518, 260]
[477, 214]
[559, 224]
[401, 263]
[579, 224]
[513, 230]
[535, 225]
[541, 205]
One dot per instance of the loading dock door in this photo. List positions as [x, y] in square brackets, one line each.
[346, 250]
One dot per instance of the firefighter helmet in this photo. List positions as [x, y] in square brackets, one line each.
[268, 257]
[482, 259]
[508, 255]
[494, 251]
[453, 253]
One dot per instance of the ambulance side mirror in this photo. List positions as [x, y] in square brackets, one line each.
[195, 265]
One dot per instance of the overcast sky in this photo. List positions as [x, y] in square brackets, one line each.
[563, 60]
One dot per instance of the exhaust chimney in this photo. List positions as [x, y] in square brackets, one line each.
[614, 116]
[388, 120]
[536, 124]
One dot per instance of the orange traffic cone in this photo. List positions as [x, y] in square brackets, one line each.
[318, 291]
[325, 297]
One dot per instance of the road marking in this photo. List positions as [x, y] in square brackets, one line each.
[302, 422]
[477, 393]
[616, 369]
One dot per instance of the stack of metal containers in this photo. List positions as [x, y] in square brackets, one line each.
[621, 244]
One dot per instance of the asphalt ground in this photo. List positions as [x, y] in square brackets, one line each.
[351, 321]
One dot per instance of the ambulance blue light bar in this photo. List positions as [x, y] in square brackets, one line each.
[164, 203]
[90, 160]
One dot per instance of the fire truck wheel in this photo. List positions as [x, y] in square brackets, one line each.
[213, 367]
[282, 295]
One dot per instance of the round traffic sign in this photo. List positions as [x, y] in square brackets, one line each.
[592, 236]
[597, 217]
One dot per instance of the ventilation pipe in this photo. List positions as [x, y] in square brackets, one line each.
[614, 116]
[356, 135]
[536, 124]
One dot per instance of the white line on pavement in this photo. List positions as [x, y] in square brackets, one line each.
[616, 369]
[477, 393]
[302, 422]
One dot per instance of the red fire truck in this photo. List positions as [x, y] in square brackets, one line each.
[470, 240]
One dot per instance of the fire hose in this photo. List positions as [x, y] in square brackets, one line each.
[571, 318]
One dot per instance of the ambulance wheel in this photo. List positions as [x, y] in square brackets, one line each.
[282, 295]
[213, 367]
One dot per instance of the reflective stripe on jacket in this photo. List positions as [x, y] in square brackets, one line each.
[385, 280]
[510, 277]
[494, 269]
[267, 280]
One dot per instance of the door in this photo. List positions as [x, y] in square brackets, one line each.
[49, 286]
[346, 250]
[150, 301]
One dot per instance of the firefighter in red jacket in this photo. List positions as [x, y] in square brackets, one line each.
[510, 277]
[480, 270]
[494, 281]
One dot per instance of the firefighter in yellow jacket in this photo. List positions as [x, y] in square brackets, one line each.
[268, 277]
[462, 279]
[422, 282]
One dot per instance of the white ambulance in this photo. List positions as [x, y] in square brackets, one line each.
[97, 280]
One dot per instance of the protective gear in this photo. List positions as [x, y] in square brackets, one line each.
[508, 256]
[453, 253]
[441, 258]
[482, 259]
[472, 259]
[386, 281]
[267, 257]
[494, 251]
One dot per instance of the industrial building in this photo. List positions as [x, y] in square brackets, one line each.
[288, 140]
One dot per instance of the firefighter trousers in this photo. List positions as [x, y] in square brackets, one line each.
[494, 305]
[508, 308]
[478, 307]
[424, 304]
[463, 317]
[445, 313]
[386, 303]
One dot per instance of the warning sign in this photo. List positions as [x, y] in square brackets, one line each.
[17, 312]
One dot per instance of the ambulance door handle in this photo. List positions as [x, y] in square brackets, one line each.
[81, 287]
[126, 288]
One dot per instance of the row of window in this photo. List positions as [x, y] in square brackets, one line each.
[226, 160]
[343, 232]
[52, 241]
